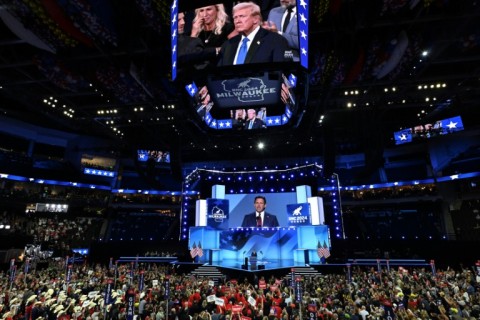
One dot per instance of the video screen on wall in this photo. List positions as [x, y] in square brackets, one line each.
[238, 210]
[225, 75]
[97, 162]
[51, 207]
[429, 130]
[157, 156]
[98, 165]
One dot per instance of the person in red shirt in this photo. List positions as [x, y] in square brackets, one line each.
[275, 310]
[412, 303]
[240, 298]
[29, 306]
[194, 297]
[277, 297]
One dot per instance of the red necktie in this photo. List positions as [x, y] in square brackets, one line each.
[259, 220]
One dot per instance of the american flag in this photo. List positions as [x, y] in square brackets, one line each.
[326, 250]
[323, 251]
[319, 249]
[194, 251]
[199, 250]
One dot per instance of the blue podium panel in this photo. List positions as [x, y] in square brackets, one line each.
[311, 238]
[296, 244]
[206, 237]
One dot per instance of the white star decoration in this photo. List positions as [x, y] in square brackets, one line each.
[303, 18]
[303, 4]
[452, 125]
[303, 34]
[402, 137]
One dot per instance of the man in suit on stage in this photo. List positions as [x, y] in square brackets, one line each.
[253, 44]
[260, 218]
[283, 20]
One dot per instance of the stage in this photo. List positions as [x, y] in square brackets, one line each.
[267, 264]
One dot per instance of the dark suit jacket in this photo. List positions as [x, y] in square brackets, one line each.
[291, 34]
[257, 124]
[192, 50]
[192, 56]
[267, 46]
[269, 220]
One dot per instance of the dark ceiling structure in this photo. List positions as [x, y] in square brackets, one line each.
[102, 68]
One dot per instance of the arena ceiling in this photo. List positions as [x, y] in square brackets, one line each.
[102, 68]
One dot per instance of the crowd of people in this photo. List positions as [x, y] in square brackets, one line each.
[53, 231]
[141, 292]
[157, 253]
[390, 193]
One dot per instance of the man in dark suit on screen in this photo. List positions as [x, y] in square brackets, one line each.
[260, 218]
[283, 20]
[252, 122]
[253, 44]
